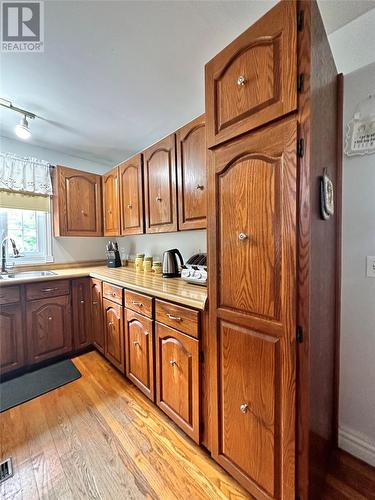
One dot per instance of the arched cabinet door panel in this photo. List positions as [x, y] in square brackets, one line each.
[253, 80]
[114, 334]
[111, 203]
[177, 378]
[253, 186]
[139, 352]
[131, 196]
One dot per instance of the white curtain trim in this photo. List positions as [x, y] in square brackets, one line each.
[25, 175]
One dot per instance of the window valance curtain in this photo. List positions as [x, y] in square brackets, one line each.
[25, 175]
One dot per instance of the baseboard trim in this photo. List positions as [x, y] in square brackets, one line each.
[357, 444]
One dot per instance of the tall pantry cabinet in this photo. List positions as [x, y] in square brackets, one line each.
[271, 258]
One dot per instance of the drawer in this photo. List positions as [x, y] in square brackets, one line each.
[9, 295]
[113, 292]
[183, 319]
[47, 289]
[139, 303]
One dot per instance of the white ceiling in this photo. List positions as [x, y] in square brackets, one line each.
[116, 76]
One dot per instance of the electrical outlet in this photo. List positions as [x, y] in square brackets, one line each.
[370, 266]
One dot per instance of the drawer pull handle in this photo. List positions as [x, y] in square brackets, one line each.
[175, 318]
[173, 362]
[94, 303]
[49, 289]
[244, 408]
[242, 236]
[241, 81]
[135, 303]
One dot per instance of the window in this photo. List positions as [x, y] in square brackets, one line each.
[31, 230]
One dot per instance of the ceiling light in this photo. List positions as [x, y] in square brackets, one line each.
[22, 129]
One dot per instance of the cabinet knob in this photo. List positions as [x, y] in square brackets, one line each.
[82, 301]
[158, 198]
[109, 211]
[173, 362]
[83, 212]
[242, 236]
[241, 81]
[50, 318]
[136, 343]
[110, 323]
[199, 186]
[244, 408]
[130, 205]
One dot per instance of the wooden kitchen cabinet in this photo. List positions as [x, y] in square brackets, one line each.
[77, 203]
[160, 186]
[131, 196]
[192, 175]
[97, 326]
[177, 378]
[12, 336]
[48, 328]
[81, 302]
[253, 80]
[114, 334]
[111, 203]
[140, 352]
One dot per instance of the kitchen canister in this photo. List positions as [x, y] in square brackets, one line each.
[147, 264]
[139, 262]
[157, 267]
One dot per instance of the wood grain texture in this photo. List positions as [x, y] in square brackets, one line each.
[139, 352]
[143, 304]
[265, 55]
[159, 165]
[97, 326]
[177, 378]
[9, 295]
[113, 292]
[192, 175]
[102, 438]
[181, 318]
[81, 305]
[12, 338]
[77, 202]
[278, 321]
[131, 196]
[111, 203]
[48, 328]
[114, 334]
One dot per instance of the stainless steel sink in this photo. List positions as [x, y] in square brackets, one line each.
[27, 274]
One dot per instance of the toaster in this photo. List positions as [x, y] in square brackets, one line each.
[195, 269]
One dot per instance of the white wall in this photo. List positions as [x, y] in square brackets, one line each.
[64, 249]
[357, 370]
[188, 242]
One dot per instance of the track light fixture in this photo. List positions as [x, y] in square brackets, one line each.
[22, 129]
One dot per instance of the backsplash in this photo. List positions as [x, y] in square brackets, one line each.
[188, 242]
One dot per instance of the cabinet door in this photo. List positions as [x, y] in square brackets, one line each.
[111, 203]
[139, 352]
[192, 175]
[160, 186]
[97, 327]
[81, 313]
[131, 191]
[177, 378]
[253, 80]
[252, 206]
[114, 334]
[49, 331]
[77, 203]
[12, 350]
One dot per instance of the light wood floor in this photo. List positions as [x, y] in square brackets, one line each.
[99, 438]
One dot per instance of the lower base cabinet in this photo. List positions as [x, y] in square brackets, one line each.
[12, 350]
[177, 378]
[81, 301]
[139, 352]
[97, 314]
[114, 334]
[48, 328]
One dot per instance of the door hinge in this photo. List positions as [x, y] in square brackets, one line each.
[300, 20]
[299, 334]
[201, 356]
[301, 148]
[301, 82]
[201, 427]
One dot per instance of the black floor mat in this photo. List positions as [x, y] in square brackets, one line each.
[31, 385]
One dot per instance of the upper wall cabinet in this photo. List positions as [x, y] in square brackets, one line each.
[192, 175]
[77, 203]
[131, 196]
[160, 186]
[111, 203]
[253, 80]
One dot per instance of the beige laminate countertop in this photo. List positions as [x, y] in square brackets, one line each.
[173, 289]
